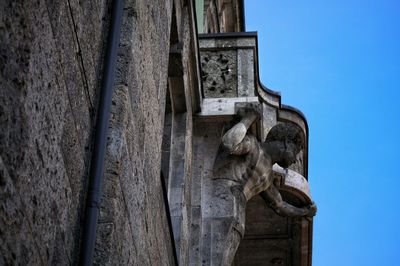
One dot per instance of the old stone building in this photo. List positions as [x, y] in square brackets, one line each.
[186, 84]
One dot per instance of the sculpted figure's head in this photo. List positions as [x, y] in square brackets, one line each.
[283, 143]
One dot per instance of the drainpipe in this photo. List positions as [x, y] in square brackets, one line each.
[100, 141]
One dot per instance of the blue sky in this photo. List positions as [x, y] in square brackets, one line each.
[339, 62]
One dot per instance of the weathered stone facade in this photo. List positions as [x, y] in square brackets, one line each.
[269, 239]
[223, 16]
[174, 96]
[51, 56]
[51, 63]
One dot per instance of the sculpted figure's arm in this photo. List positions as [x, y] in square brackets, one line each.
[235, 140]
[274, 198]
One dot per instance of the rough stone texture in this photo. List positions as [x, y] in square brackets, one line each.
[222, 16]
[196, 209]
[219, 73]
[261, 221]
[241, 41]
[48, 83]
[243, 169]
[216, 55]
[227, 66]
[223, 108]
[185, 98]
[246, 82]
[133, 227]
[269, 119]
[51, 57]
[206, 141]
[271, 239]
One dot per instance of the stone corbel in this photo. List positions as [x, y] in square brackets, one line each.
[230, 78]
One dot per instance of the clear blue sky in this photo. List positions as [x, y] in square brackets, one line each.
[339, 62]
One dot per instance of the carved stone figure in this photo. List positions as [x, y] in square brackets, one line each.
[243, 169]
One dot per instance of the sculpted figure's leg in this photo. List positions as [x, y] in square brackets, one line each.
[227, 225]
[226, 235]
[233, 240]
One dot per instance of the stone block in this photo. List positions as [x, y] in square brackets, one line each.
[219, 73]
[15, 225]
[245, 64]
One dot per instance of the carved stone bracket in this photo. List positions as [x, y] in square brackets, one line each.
[229, 67]
[230, 79]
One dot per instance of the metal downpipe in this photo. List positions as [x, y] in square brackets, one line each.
[100, 141]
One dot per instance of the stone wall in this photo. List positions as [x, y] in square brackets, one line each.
[184, 87]
[50, 60]
[223, 16]
[51, 55]
[133, 228]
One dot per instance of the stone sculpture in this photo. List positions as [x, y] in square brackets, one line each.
[243, 169]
